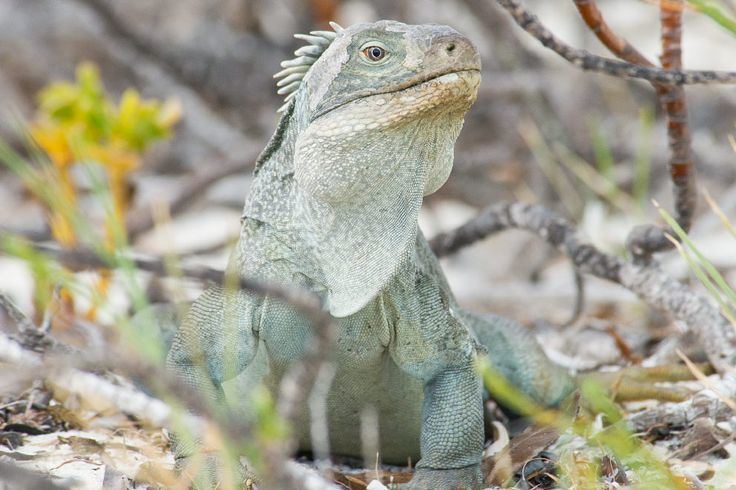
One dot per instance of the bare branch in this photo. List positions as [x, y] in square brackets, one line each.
[201, 119]
[646, 240]
[600, 64]
[150, 410]
[82, 259]
[716, 336]
[617, 45]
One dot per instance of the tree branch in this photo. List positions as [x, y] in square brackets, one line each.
[142, 220]
[588, 61]
[645, 240]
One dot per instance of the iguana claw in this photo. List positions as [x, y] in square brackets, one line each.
[468, 478]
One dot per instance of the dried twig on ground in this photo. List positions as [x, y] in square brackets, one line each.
[683, 414]
[600, 64]
[651, 284]
[145, 408]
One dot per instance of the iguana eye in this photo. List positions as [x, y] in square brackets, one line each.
[374, 53]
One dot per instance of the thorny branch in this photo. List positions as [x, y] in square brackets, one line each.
[646, 240]
[651, 284]
[588, 61]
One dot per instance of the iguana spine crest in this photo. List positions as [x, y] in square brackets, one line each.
[295, 69]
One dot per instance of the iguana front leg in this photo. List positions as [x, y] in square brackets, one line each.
[452, 432]
[215, 342]
[429, 343]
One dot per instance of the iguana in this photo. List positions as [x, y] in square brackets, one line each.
[368, 129]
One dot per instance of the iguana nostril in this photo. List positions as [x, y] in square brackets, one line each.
[451, 48]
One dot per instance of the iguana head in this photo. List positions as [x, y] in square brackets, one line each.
[369, 128]
[377, 88]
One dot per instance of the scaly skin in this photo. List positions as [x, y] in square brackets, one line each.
[334, 208]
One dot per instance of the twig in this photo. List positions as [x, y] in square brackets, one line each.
[643, 241]
[646, 240]
[650, 283]
[600, 64]
[200, 118]
[31, 337]
[678, 131]
[120, 28]
[579, 304]
[82, 259]
[619, 46]
[134, 402]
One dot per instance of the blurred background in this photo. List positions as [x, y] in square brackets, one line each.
[589, 146]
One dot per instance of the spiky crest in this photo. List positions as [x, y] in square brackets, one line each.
[294, 69]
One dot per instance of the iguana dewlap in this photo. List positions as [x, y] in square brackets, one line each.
[369, 128]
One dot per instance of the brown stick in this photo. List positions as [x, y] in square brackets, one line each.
[645, 240]
[674, 102]
[617, 45]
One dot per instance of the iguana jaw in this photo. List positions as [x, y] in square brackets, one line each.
[473, 71]
[450, 94]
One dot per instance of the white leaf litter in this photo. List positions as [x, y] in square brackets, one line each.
[84, 457]
[376, 485]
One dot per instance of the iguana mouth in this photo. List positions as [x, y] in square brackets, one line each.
[399, 88]
[429, 78]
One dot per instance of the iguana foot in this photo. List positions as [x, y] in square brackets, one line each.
[468, 478]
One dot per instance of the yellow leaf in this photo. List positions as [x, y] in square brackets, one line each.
[52, 140]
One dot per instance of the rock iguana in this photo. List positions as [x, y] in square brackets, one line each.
[368, 129]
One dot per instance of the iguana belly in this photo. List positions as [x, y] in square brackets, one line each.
[365, 376]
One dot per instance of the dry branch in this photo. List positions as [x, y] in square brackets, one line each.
[200, 117]
[713, 332]
[646, 240]
[588, 61]
[617, 45]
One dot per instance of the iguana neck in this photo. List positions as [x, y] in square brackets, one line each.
[352, 216]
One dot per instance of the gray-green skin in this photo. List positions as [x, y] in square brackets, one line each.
[334, 208]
